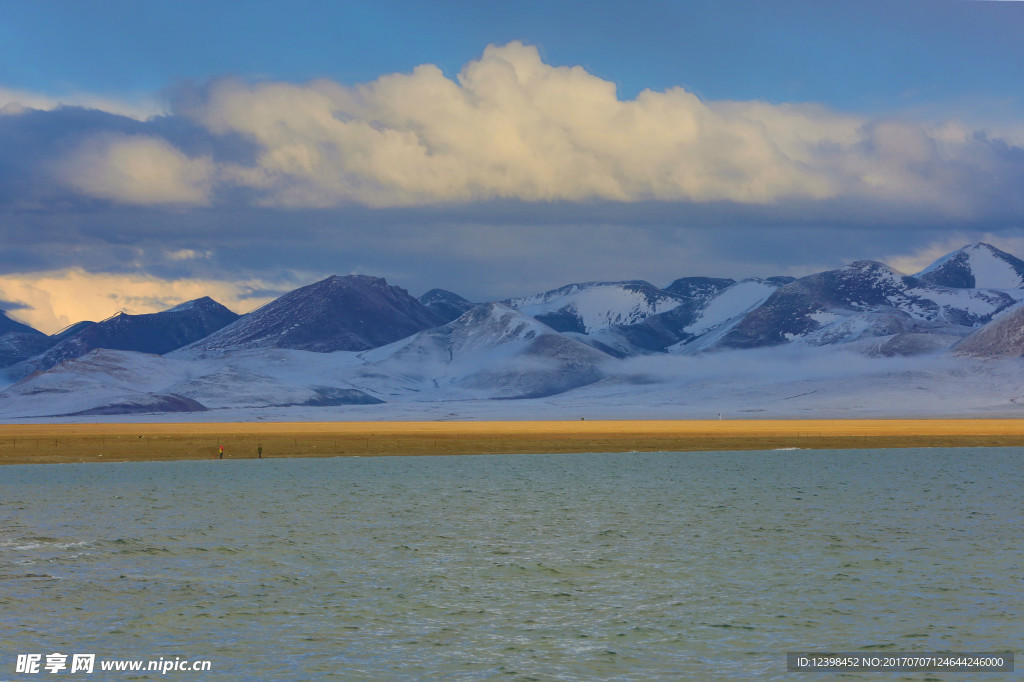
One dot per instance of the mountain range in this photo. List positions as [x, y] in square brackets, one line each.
[155, 333]
[354, 343]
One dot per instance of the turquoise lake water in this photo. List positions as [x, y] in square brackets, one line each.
[575, 567]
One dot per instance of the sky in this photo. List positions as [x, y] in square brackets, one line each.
[152, 152]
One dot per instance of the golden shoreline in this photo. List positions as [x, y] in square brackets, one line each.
[63, 443]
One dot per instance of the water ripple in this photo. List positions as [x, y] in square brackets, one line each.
[569, 567]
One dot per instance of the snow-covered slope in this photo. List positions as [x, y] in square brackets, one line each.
[101, 382]
[354, 312]
[1000, 338]
[980, 266]
[731, 304]
[791, 381]
[721, 314]
[492, 351]
[797, 381]
[125, 382]
[586, 308]
[694, 324]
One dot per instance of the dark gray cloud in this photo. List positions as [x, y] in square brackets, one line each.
[480, 251]
[8, 306]
[34, 144]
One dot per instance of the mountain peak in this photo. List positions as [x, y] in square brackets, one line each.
[440, 295]
[978, 246]
[871, 265]
[348, 280]
[154, 333]
[9, 325]
[976, 266]
[500, 313]
[1002, 337]
[699, 287]
[201, 302]
[445, 304]
[983, 247]
[340, 312]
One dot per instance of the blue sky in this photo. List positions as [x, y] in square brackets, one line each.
[158, 148]
[864, 55]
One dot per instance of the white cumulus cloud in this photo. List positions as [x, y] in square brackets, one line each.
[510, 126]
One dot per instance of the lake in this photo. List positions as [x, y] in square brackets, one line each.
[578, 567]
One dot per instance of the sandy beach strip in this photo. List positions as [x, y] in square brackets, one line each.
[54, 443]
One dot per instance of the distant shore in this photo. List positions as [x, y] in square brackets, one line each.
[62, 443]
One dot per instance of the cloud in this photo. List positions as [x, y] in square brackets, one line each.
[789, 363]
[17, 101]
[188, 254]
[137, 169]
[8, 306]
[50, 301]
[509, 127]
[512, 127]
[46, 155]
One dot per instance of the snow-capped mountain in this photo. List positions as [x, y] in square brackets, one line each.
[152, 333]
[355, 312]
[706, 314]
[864, 299]
[976, 266]
[492, 351]
[445, 304]
[588, 307]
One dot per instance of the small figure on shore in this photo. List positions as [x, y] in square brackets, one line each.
[222, 452]
[259, 449]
